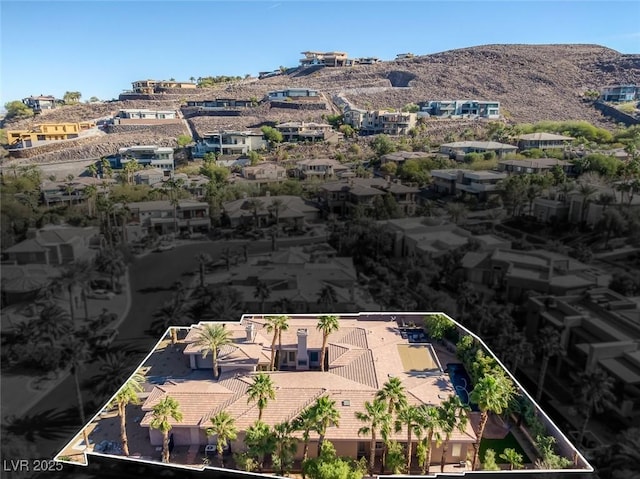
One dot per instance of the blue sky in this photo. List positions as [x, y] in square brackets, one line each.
[99, 48]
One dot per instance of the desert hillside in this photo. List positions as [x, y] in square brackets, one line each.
[532, 83]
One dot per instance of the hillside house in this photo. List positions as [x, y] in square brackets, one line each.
[293, 94]
[148, 155]
[543, 141]
[297, 131]
[229, 142]
[319, 167]
[460, 182]
[46, 132]
[328, 59]
[457, 149]
[380, 121]
[536, 166]
[145, 117]
[460, 108]
[163, 218]
[42, 102]
[265, 172]
[620, 93]
[149, 87]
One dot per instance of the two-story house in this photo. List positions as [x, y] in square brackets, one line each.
[296, 131]
[457, 182]
[461, 108]
[229, 142]
[265, 172]
[39, 103]
[148, 155]
[329, 59]
[264, 210]
[319, 167]
[46, 132]
[293, 94]
[148, 87]
[164, 218]
[380, 121]
[620, 93]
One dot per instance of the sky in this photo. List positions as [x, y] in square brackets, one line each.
[98, 48]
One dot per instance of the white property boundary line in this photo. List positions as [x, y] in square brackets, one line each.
[588, 469]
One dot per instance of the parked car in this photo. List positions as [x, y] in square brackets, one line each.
[104, 339]
[100, 284]
[101, 294]
[164, 247]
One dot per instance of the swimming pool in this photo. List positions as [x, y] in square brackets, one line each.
[462, 383]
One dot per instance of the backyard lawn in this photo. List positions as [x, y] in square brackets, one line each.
[499, 445]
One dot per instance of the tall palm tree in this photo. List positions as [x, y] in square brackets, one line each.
[327, 324]
[325, 414]
[305, 423]
[409, 416]
[71, 277]
[327, 297]
[375, 417]
[114, 368]
[260, 441]
[587, 192]
[262, 292]
[223, 426]
[492, 393]
[283, 325]
[163, 413]
[211, 338]
[453, 416]
[595, 390]
[393, 392]
[261, 391]
[272, 325]
[128, 394]
[550, 345]
[203, 260]
[429, 420]
[54, 323]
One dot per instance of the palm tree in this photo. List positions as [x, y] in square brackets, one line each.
[114, 368]
[262, 292]
[325, 414]
[284, 305]
[286, 445]
[327, 297]
[375, 417]
[457, 211]
[410, 417]
[565, 188]
[277, 205]
[261, 391]
[260, 441]
[73, 275]
[492, 393]
[90, 193]
[211, 338]
[587, 192]
[429, 420]
[453, 416]
[513, 457]
[76, 353]
[305, 423]
[393, 392]
[169, 316]
[128, 394]
[283, 325]
[627, 455]
[327, 324]
[550, 345]
[54, 323]
[595, 395]
[203, 260]
[272, 324]
[111, 262]
[224, 428]
[255, 205]
[163, 413]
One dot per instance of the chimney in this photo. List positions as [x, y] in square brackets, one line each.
[251, 333]
[303, 353]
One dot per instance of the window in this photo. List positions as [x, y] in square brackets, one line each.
[291, 357]
[456, 450]
[314, 356]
